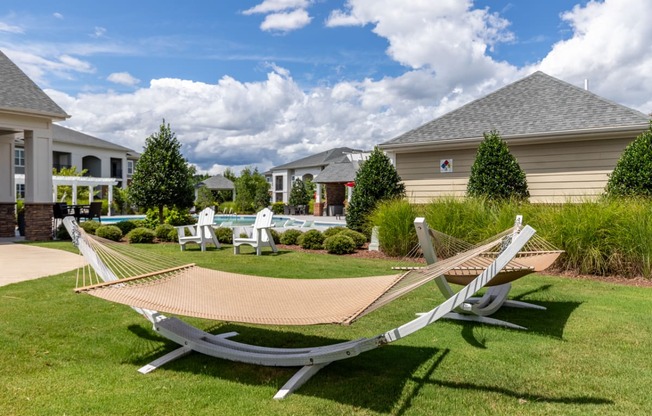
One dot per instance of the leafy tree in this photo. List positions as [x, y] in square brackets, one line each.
[162, 176]
[299, 194]
[496, 174]
[376, 180]
[632, 175]
[205, 198]
[251, 191]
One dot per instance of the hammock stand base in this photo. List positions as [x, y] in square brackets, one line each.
[478, 309]
[310, 360]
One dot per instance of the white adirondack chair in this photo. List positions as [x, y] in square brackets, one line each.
[261, 235]
[200, 233]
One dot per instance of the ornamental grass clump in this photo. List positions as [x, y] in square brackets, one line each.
[110, 232]
[311, 240]
[339, 244]
[395, 221]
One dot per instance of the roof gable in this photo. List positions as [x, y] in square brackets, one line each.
[537, 104]
[19, 93]
[319, 159]
[65, 135]
[218, 182]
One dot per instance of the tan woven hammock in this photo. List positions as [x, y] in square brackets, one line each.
[151, 282]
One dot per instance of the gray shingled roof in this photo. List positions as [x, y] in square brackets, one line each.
[342, 170]
[320, 159]
[218, 182]
[537, 104]
[65, 135]
[19, 93]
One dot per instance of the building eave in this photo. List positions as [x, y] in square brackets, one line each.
[520, 139]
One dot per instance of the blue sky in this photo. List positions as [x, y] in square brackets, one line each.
[261, 83]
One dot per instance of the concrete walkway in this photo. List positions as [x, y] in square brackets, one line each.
[20, 262]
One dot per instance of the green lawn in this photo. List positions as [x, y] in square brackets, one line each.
[589, 353]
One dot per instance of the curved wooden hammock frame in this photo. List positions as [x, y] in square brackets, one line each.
[311, 360]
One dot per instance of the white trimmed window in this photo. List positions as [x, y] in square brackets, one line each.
[19, 157]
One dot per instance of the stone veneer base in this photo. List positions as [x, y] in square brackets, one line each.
[38, 221]
[7, 220]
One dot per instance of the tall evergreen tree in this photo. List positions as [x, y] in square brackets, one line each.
[299, 194]
[162, 176]
[376, 180]
[495, 173]
[632, 175]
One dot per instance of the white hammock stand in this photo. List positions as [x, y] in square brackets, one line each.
[311, 360]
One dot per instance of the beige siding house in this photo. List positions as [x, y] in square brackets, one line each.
[566, 139]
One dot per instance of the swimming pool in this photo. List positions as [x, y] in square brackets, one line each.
[280, 221]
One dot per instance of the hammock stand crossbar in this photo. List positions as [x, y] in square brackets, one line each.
[311, 360]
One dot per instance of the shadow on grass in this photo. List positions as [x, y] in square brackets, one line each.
[385, 380]
[550, 323]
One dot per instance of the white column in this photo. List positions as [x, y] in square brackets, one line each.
[38, 166]
[91, 191]
[74, 193]
[7, 180]
[110, 198]
[349, 193]
[318, 197]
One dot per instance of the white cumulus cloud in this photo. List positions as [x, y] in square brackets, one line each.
[269, 6]
[286, 22]
[123, 78]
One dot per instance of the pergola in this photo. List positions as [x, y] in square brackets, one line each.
[75, 182]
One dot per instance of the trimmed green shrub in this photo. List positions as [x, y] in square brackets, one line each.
[311, 240]
[62, 233]
[290, 237]
[164, 231]
[141, 235]
[358, 238]
[173, 235]
[495, 173]
[178, 217]
[276, 236]
[224, 235]
[376, 180]
[632, 175]
[278, 208]
[340, 244]
[110, 232]
[329, 232]
[90, 226]
[126, 226]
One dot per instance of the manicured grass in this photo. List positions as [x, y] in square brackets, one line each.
[589, 353]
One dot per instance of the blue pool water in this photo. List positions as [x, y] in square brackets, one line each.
[233, 220]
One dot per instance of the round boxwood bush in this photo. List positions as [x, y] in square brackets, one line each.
[62, 233]
[290, 237]
[339, 244]
[164, 231]
[141, 235]
[358, 238]
[329, 232]
[311, 240]
[110, 232]
[90, 226]
[276, 236]
[126, 226]
[224, 235]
